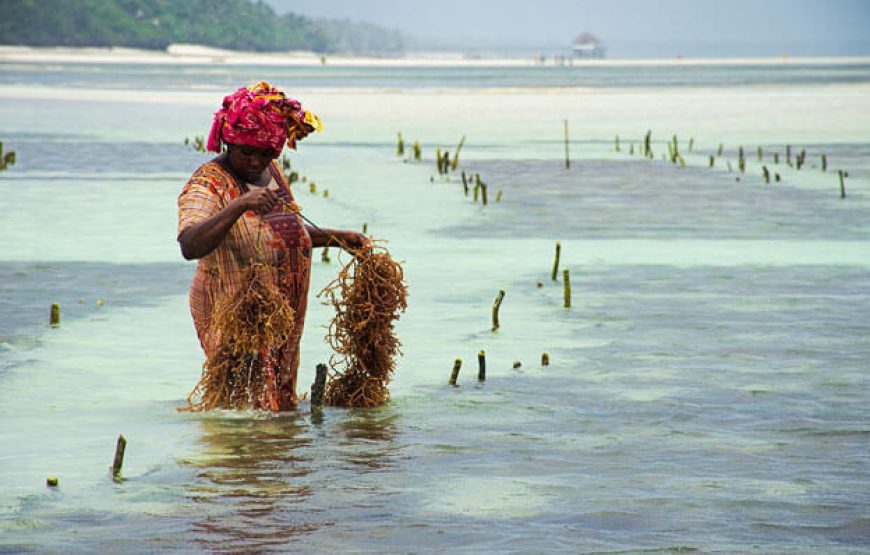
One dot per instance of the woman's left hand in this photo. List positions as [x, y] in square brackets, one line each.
[353, 240]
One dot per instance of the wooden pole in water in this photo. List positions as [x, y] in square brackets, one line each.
[555, 272]
[760, 154]
[545, 359]
[481, 366]
[824, 163]
[418, 152]
[691, 143]
[567, 157]
[721, 147]
[319, 386]
[498, 196]
[495, 306]
[567, 287]
[766, 174]
[54, 315]
[457, 364]
[776, 158]
[842, 175]
[712, 160]
[400, 146]
[465, 182]
[788, 154]
[476, 186]
[647, 150]
[118, 462]
[616, 145]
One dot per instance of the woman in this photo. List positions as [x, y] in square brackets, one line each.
[238, 208]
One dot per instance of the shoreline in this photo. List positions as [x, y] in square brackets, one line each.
[188, 54]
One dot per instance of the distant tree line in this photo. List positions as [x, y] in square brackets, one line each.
[155, 24]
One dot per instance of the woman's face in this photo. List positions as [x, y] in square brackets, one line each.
[249, 161]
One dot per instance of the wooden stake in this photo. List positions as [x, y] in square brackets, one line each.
[567, 157]
[400, 147]
[760, 154]
[51, 482]
[691, 143]
[457, 364]
[319, 386]
[324, 256]
[776, 158]
[766, 174]
[495, 306]
[567, 287]
[712, 160]
[481, 366]
[498, 196]
[842, 175]
[365, 228]
[418, 152]
[476, 186]
[616, 145]
[464, 182]
[54, 315]
[824, 163]
[118, 462]
[556, 262]
[545, 359]
[721, 147]
[647, 150]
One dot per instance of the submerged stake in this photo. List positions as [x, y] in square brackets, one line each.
[545, 359]
[457, 364]
[495, 306]
[567, 287]
[842, 175]
[481, 366]
[319, 385]
[54, 315]
[567, 159]
[118, 462]
[556, 262]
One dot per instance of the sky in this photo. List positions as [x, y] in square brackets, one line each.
[629, 28]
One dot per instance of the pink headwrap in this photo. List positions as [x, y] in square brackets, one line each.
[263, 117]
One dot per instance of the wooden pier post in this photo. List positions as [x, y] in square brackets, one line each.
[400, 146]
[842, 175]
[481, 366]
[545, 359]
[824, 163]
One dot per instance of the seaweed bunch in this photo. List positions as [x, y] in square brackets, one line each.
[368, 295]
[256, 318]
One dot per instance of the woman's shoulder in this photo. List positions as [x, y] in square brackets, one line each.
[212, 175]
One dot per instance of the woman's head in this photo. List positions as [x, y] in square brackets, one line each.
[261, 117]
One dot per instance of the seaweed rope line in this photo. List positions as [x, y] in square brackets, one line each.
[293, 207]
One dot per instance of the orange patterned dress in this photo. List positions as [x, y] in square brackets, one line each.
[284, 244]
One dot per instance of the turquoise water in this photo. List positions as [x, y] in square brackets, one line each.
[708, 387]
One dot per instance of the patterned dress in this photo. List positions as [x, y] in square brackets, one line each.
[284, 243]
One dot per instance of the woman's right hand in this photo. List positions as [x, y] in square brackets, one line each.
[259, 199]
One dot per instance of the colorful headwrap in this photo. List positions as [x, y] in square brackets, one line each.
[263, 117]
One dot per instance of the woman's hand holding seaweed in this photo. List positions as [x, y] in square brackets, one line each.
[259, 199]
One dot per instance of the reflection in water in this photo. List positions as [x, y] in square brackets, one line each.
[264, 481]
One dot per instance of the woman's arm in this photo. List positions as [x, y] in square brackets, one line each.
[321, 237]
[202, 238]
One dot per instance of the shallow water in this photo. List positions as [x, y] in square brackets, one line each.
[708, 387]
